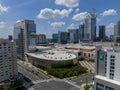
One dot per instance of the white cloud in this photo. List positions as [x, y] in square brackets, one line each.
[57, 24]
[110, 26]
[109, 12]
[2, 25]
[67, 3]
[48, 13]
[71, 26]
[80, 16]
[3, 9]
[77, 10]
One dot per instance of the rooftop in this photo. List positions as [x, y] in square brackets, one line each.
[43, 47]
[53, 55]
[107, 79]
[79, 46]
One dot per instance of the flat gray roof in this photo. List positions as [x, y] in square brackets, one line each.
[53, 55]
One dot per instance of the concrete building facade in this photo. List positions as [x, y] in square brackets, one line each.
[8, 60]
[41, 39]
[107, 67]
[63, 37]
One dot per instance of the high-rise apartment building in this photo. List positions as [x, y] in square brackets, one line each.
[102, 35]
[8, 60]
[107, 68]
[73, 35]
[22, 33]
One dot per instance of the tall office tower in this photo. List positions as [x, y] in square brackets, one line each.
[115, 29]
[87, 28]
[55, 37]
[32, 45]
[102, 35]
[107, 68]
[41, 39]
[90, 27]
[63, 37]
[8, 60]
[93, 25]
[73, 35]
[22, 33]
[81, 32]
[117, 32]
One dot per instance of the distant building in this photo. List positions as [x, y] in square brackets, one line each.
[32, 44]
[90, 27]
[112, 38]
[10, 37]
[63, 37]
[8, 61]
[41, 39]
[117, 32]
[55, 37]
[81, 32]
[102, 34]
[93, 25]
[87, 29]
[22, 33]
[107, 67]
[73, 35]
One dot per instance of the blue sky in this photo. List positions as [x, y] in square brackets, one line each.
[56, 15]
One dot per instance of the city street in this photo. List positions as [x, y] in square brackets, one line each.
[28, 74]
[84, 79]
[55, 85]
[38, 77]
[32, 69]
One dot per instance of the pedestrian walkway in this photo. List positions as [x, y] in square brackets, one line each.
[88, 65]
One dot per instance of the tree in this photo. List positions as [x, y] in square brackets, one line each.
[17, 83]
[86, 87]
[115, 43]
[7, 87]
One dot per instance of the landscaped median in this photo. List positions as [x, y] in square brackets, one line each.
[66, 69]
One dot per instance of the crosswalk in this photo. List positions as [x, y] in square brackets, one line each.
[40, 81]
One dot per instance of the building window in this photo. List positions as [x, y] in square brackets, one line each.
[109, 88]
[112, 56]
[99, 86]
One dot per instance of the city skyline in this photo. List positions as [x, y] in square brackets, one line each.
[55, 15]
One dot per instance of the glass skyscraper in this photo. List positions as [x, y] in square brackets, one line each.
[22, 33]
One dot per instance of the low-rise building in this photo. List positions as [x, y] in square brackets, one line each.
[45, 59]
